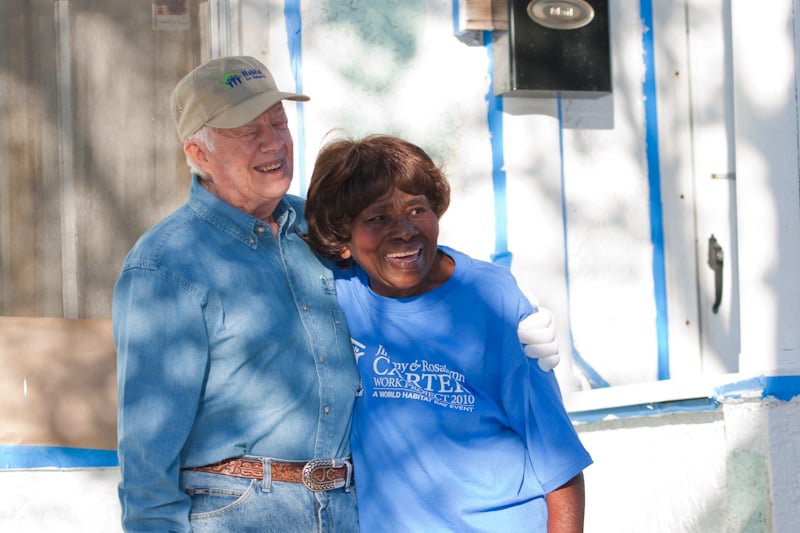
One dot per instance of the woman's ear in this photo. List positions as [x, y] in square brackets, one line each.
[344, 253]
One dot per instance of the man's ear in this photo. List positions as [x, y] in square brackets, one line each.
[197, 153]
[344, 253]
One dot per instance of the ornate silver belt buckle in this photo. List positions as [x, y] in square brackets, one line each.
[329, 480]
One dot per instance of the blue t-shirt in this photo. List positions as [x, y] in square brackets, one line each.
[456, 430]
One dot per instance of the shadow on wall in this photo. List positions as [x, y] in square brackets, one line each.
[680, 472]
[58, 385]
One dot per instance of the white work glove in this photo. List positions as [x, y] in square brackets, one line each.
[537, 334]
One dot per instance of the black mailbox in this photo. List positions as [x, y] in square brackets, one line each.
[553, 46]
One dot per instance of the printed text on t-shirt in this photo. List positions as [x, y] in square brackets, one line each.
[419, 380]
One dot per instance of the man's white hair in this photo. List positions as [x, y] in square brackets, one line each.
[201, 136]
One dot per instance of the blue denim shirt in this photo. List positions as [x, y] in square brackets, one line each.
[229, 343]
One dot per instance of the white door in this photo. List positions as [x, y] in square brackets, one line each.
[696, 134]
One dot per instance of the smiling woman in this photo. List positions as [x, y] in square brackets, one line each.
[377, 202]
[354, 175]
[445, 379]
[395, 241]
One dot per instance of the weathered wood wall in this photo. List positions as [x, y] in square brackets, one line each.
[89, 158]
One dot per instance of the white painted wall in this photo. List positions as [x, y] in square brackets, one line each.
[766, 51]
[60, 501]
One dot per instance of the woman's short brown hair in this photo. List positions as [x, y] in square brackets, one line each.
[349, 175]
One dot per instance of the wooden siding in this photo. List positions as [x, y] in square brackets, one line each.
[89, 158]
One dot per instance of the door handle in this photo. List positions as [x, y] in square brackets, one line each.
[716, 259]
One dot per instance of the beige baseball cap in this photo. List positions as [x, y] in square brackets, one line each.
[226, 92]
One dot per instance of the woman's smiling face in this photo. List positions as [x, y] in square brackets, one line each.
[395, 241]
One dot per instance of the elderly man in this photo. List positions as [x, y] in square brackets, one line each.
[235, 370]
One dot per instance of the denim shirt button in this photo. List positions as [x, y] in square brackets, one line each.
[327, 410]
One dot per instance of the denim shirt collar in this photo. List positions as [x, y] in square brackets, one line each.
[232, 220]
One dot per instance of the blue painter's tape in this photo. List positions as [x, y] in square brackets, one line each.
[654, 181]
[502, 258]
[783, 388]
[294, 34]
[494, 118]
[649, 409]
[739, 389]
[28, 457]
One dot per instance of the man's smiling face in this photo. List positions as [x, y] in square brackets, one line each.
[251, 166]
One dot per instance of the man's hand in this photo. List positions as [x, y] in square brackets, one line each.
[537, 333]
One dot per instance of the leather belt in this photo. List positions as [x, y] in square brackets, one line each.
[317, 475]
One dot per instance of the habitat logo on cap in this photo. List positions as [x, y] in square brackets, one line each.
[232, 80]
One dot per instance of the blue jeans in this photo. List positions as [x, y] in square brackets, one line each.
[223, 503]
